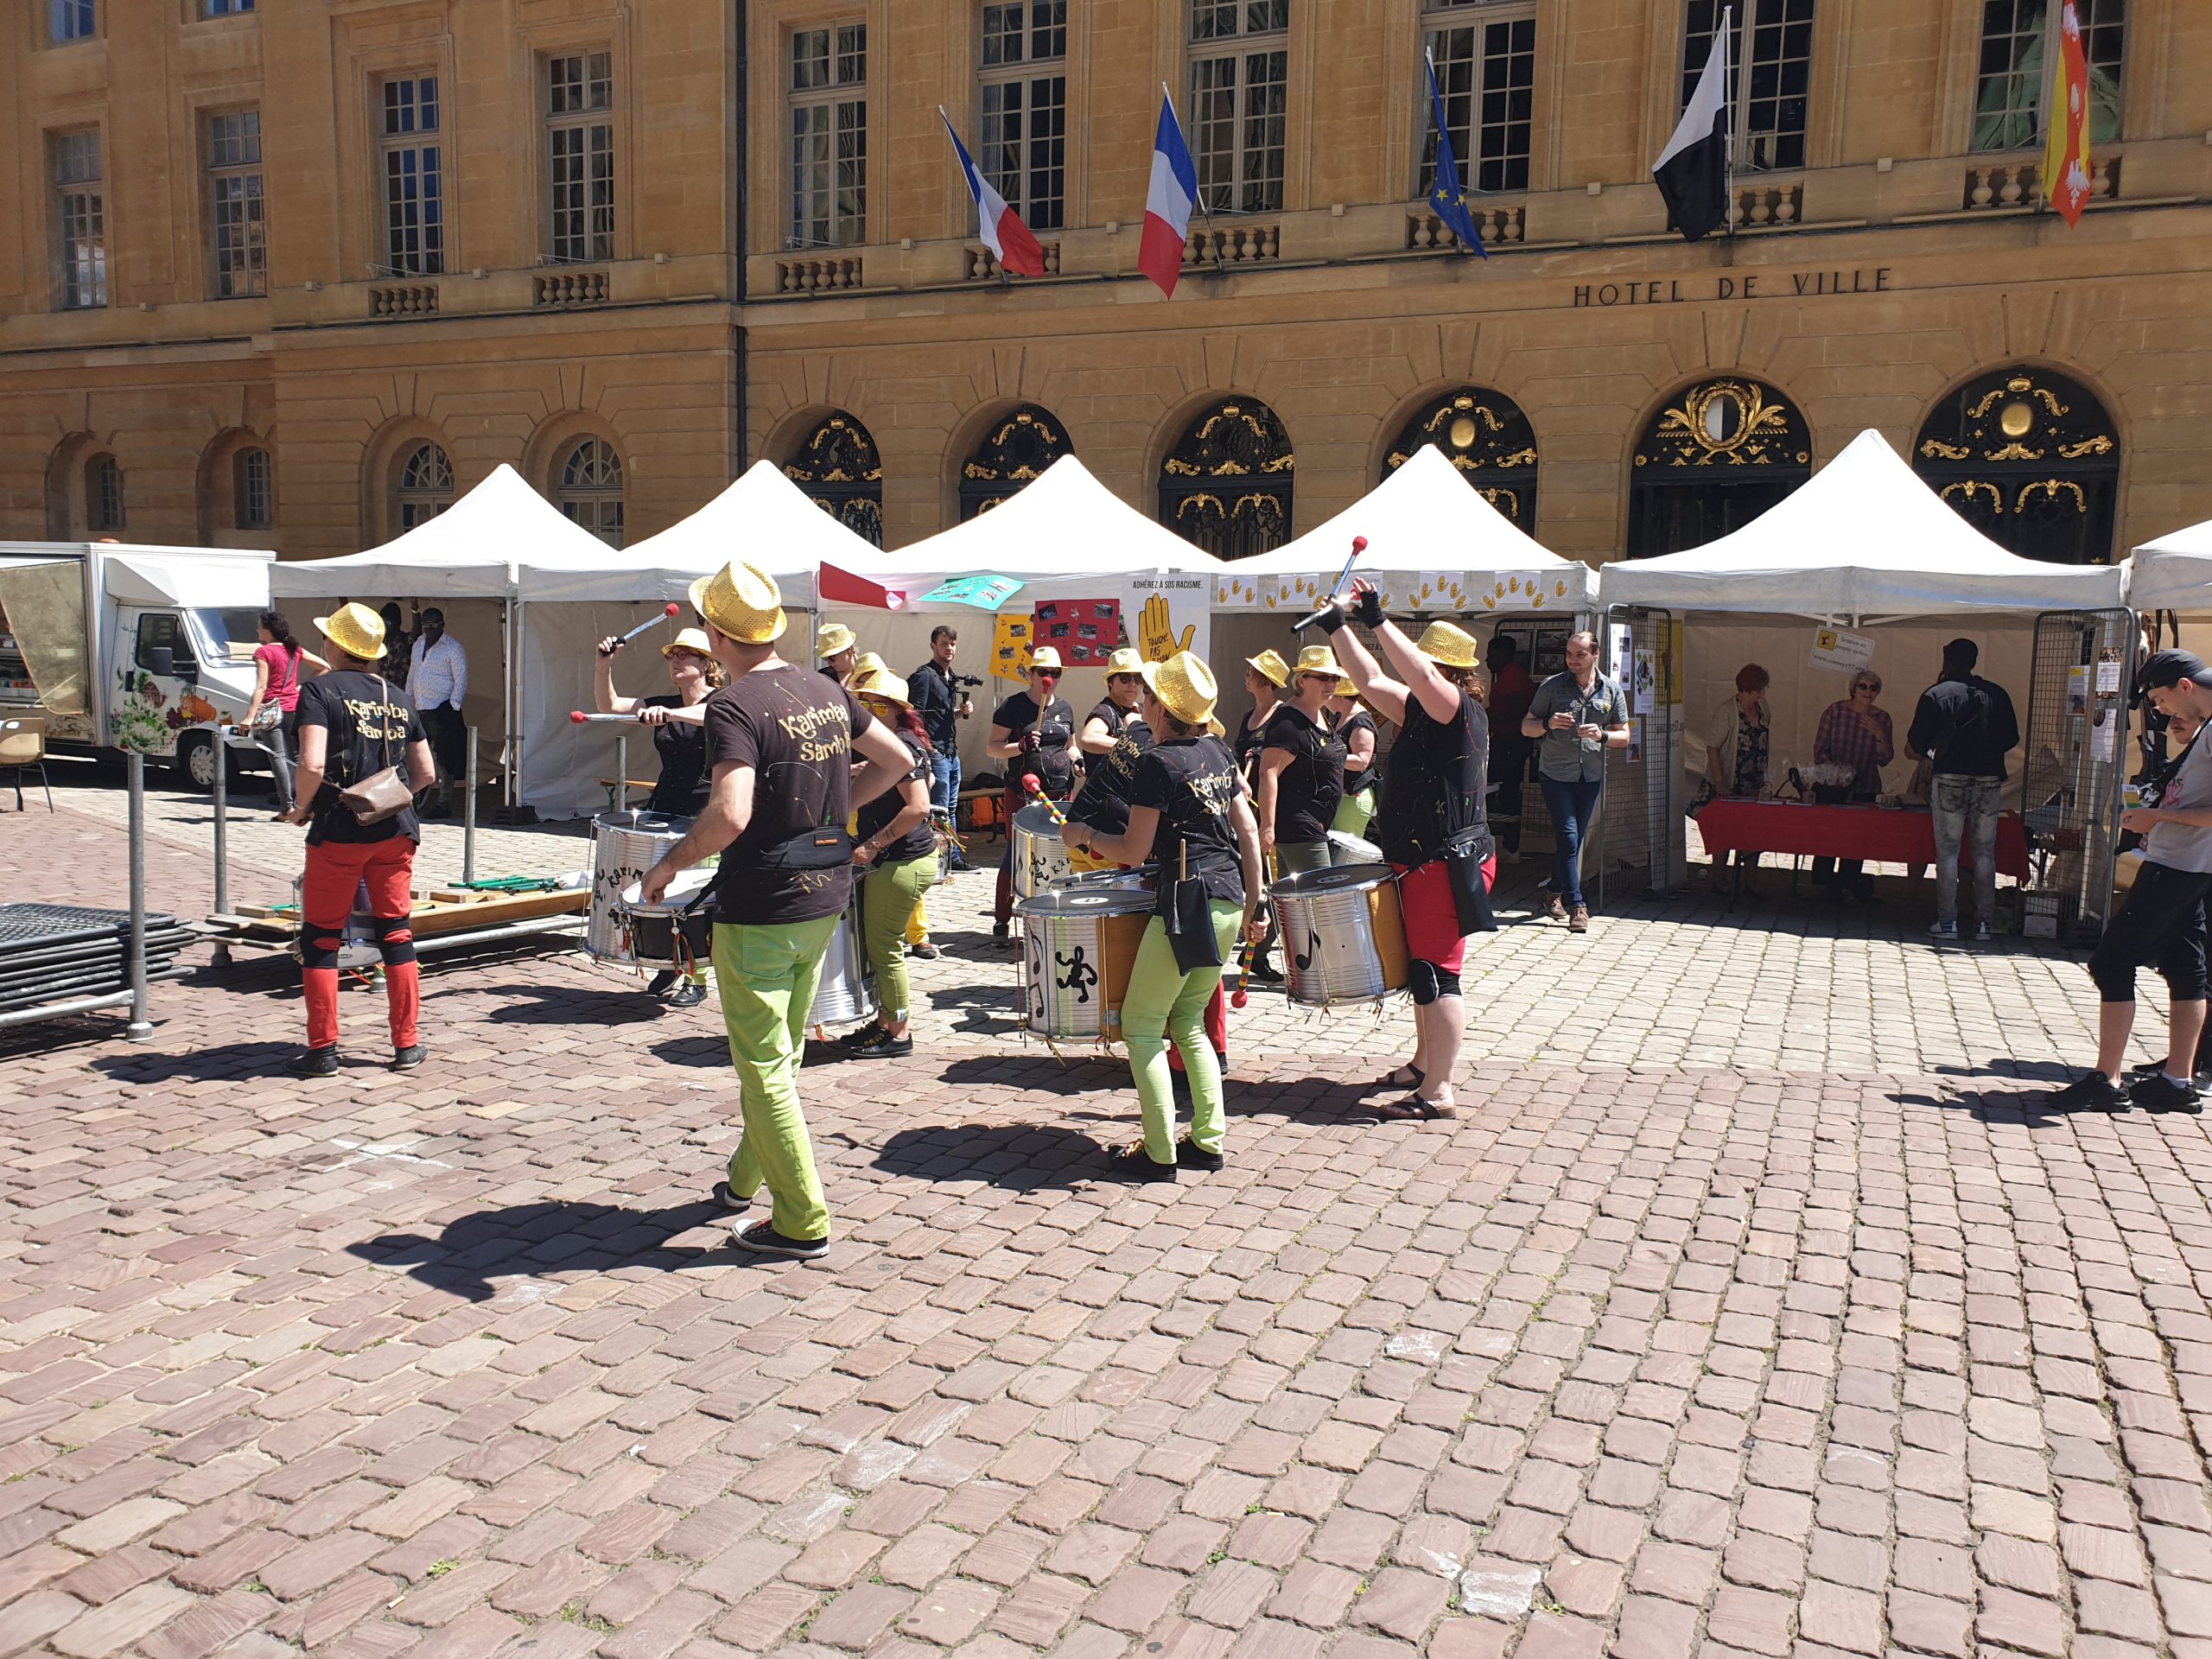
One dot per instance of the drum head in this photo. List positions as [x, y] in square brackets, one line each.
[1350, 849]
[1037, 819]
[1338, 878]
[644, 823]
[688, 885]
[1086, 902]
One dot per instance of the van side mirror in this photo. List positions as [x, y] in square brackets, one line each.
[162, 660]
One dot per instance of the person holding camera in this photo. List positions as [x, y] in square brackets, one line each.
[941, 698]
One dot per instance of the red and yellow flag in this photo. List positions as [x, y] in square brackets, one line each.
[2066, 134]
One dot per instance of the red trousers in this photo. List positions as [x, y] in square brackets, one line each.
[1217, 1019]
[335, 871]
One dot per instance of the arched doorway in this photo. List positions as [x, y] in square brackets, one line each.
[1487, 438]
[1226, 486]
[1012, 451]
[2030, 460]
[838, 467]
[1719, 456]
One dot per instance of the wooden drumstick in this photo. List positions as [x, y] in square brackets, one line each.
[1029, 782]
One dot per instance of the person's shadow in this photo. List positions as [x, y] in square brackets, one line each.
[1018, 1157]
[528, 1239]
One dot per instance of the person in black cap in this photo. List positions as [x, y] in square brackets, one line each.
[1965, 727]
[2162, 923]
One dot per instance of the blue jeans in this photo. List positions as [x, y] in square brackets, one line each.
[945, 793]
[1571, 803]
[1964, 809]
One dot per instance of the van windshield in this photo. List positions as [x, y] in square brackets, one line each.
[230, 636]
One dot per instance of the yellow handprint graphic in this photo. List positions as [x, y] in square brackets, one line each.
[1156, 631]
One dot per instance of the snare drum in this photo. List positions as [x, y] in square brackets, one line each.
[1078, 945]
[846, 992]
[1344, 849]
[625, 845]
[672, 933]
[1041, 857]
[1344, 933]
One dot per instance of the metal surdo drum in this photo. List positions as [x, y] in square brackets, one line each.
[678, 931]
[625, 845]
[846, 992]
[1041, 857]
[1344, 934]
[1078, 943]
[1346, 848]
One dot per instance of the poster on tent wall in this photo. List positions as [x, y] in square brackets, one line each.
[1169, 611]
[1083, 631]
[1842, 652]
[1010, 646]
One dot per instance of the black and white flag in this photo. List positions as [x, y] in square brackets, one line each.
[1692, 170]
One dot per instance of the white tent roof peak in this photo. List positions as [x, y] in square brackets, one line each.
[2175, 572]
[1862, 537]
[1063, 523]
[1425, 516]
[474, 549]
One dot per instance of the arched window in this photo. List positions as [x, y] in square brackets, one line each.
[425, 486]
[1011, 452]
[2029, 458]
[837, 466]
[1720, 454]
[1486, 437]
[103, 493]
[253, 490]
[1227, 485]
[590, 489]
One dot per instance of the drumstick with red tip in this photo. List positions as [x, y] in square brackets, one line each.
[1358, 547]
[578, 717]
[650, 622]
[1029, 782]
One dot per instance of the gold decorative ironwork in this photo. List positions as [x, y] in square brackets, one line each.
[2038, 440]
[1237, 440]
[2016, 451]
[1012, 452]
[1966, 489]
[839, 467]
[2050, 488]
[1729, 422]
[1481, 433]
[2099, 445]
[1934, 448]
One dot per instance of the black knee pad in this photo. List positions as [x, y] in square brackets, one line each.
[319, 949]
[395, 939]
[1431, 983]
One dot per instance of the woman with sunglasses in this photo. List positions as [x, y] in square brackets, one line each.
[1032, 732]
[1853, 733]
[1112, 715]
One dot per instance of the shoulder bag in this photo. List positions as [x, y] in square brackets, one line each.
[384, 794]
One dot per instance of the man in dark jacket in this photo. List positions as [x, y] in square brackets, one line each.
[1965, 727]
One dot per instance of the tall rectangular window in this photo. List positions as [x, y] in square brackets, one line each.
[1026, 108]
[414, 177]
[829, 128]
[236, 214]
[81, 221]
[580, 156]
[1240, 77]
[69, 20]
[2012, 83]
[1486, 70]
[1772, 53]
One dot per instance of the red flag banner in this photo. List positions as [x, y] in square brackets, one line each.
[2066, 123]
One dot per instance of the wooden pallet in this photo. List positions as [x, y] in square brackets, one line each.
[441, 909]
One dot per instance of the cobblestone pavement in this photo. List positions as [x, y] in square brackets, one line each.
[1652, 1360]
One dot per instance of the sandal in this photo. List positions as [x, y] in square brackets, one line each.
[1395, 1078]
[1413, 1109]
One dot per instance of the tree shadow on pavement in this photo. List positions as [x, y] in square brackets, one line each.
[529, 1239]
[1018, 1157]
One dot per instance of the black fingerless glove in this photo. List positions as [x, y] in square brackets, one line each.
[1367, 609]
[1331, 620]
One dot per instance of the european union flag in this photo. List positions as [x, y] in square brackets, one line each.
[1446, 198]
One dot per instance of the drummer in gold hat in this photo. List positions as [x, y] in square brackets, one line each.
[679, 723]
[1119, 709]
[1301, 778]
[1350, 721]
[1033, 733]
[833, 644]
[1187, 810]
[1431, 823]
[780, 746]
[1266, 678]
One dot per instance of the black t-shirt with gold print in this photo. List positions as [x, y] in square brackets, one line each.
[371, 726]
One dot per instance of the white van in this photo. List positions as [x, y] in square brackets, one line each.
[116, 647]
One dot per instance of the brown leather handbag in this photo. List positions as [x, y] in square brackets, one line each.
[384, 794]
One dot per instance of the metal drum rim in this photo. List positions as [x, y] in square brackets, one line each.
[1330, 880]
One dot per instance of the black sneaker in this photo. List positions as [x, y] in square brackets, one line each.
[1136, 1164]
[762, 1239]
[883, 1046]
[2160, 1093]
[403, 1059]
[728, 1199]
[315, 1062]
[1191, 1155]
[661, 982]
[998, 933]
[688, 996]
[2091, 1091]
[1265, 973]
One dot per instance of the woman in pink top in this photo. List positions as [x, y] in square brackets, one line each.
[277, 684]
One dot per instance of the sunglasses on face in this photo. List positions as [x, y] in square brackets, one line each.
[1045, 673]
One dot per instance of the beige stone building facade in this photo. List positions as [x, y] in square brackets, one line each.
[629, 249]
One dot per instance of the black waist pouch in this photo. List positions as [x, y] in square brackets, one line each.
[1182, 908]
[821, 848]
[1463, 864]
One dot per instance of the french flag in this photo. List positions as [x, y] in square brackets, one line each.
[1168, 205]
[1000, 227]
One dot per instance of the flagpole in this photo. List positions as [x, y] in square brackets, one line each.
[1738, 113]
[1205, 212]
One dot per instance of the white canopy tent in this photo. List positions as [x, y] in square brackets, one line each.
[762, 518]
[1862, 539]
[2173, 573]
[1434, 543]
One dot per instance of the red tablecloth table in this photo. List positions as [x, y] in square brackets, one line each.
[1907, 836]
